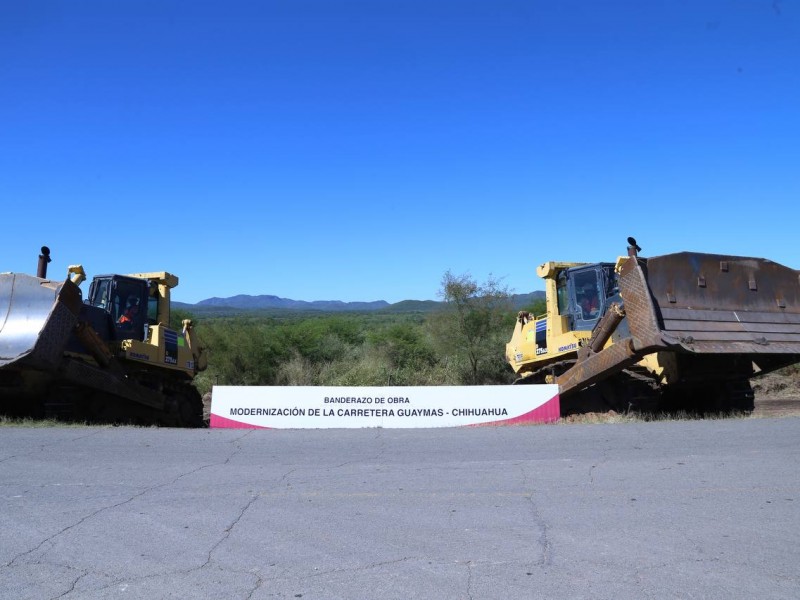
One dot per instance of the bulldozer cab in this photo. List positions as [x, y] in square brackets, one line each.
[126, 300]
[583, 293]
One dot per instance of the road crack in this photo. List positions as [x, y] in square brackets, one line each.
[42, 447]
[128, 500]
[538, 519]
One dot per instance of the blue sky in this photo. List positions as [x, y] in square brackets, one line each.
[357, 150]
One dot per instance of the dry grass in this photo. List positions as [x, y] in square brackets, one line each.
[29, 422]
[614, 417]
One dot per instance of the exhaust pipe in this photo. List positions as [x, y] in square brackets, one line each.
[44, 258]
[633, 248]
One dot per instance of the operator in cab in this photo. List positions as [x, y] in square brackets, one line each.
[590, 304]
[126, 319]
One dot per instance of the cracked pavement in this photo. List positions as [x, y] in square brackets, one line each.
[646, 510]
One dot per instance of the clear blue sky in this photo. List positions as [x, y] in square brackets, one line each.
[356, 150]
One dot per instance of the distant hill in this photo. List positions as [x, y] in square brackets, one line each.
[525, 300]
[413, 306]
[243, 303]
[257, 302]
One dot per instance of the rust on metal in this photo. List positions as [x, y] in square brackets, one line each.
[605, 327]
[640, 307]
[750, 306]
[93, 343]
[598, 366]
[57, 327]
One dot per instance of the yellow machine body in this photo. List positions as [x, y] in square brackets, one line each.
[685, 330]
[111, 356]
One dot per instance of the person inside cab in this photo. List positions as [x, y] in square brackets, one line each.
[590, 303]
[126, 319]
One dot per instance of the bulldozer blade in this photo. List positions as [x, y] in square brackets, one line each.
[716, 304]
[36, 319]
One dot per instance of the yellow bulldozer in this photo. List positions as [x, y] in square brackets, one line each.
[111, 357]
[684, 331]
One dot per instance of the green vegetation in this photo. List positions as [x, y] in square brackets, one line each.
[474, 325]
[461, 342]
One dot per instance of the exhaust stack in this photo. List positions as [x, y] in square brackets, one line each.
[633, 248]
[44, 258]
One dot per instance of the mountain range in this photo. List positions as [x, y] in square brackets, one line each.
[244, 303]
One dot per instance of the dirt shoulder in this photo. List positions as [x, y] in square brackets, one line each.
[777, 394]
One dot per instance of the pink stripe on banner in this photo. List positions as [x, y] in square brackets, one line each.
[549, 412]
[217, 421]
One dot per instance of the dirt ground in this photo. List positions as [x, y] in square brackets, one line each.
[777, 394]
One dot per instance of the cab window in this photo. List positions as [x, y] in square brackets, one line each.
[125, 299]
[152, 305]
[588, 295]
[100, 293]
[562, 293]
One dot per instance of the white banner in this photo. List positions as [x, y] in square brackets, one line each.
[307, 407]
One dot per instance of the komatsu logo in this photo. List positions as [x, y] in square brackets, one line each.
[572, 346]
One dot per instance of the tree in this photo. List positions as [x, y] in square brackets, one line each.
[474, 324]
[536, 307]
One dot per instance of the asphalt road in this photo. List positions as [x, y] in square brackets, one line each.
[648, 510]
